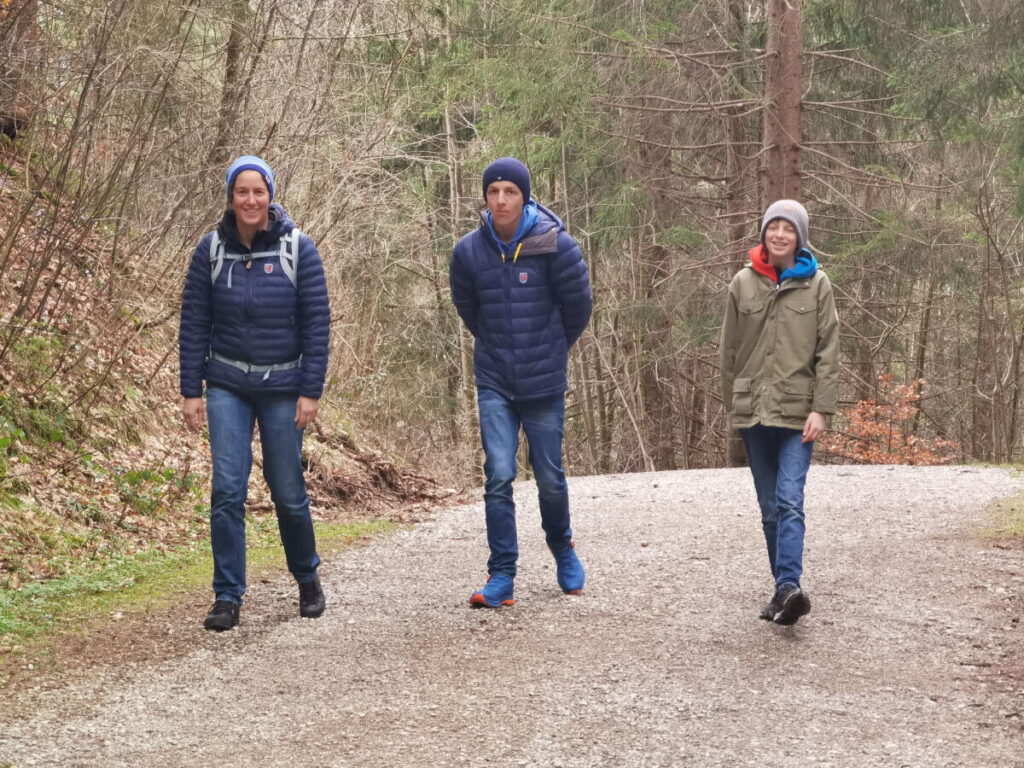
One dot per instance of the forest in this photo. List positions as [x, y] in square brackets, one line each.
[658, 129]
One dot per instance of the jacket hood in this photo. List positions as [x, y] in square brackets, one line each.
[538, 231]
[279, 223]
[806, 265]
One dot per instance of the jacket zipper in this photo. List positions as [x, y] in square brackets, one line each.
[248, 301]
[779, 289]
[509, 269]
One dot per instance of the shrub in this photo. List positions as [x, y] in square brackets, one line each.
[883, 430]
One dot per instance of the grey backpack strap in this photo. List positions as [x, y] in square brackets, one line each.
[216, 256]
[290, 254]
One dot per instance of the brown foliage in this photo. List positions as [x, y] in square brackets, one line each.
[882, 430]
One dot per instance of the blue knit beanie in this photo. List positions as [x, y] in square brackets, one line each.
[249, 163]
[508, 169]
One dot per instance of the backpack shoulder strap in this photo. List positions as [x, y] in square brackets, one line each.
[216, 256]
[290, 254]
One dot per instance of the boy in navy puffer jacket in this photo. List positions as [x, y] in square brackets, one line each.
[521, 286]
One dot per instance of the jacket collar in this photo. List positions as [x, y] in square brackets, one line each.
[537, 235]
[278, 223]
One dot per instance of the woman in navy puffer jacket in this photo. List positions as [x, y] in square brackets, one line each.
[255, 323]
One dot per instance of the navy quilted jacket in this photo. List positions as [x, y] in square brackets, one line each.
[261, 319]
[524, 315]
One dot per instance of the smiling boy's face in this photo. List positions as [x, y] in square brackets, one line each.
[780, 241]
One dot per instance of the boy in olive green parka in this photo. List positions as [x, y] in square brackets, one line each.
[780, 373]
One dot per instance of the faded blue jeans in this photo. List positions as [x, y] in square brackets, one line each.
[231, 417]
[779, 462]
[543, 421]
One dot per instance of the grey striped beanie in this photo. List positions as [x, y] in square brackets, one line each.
[794, 213]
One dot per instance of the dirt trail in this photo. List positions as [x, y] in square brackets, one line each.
[912, 656]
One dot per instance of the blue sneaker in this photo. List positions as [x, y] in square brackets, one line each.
[571, 576]
[496, 592]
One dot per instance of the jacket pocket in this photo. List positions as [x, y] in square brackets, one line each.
[801, 317]
[796, 398]
[750, 307]
[742, 397]
[802, 307]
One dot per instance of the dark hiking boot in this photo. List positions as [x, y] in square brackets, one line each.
[311, 599]
[793, 603]
[223, 615]
[769, 612]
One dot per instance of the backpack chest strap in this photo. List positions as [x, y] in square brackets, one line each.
[288, 252]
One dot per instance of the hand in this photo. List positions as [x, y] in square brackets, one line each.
[305, 411]
[814, 427]
[193, 411]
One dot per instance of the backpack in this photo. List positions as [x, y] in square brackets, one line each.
[289, 253]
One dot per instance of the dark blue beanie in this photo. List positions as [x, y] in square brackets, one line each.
[249, 163]
[508, 169]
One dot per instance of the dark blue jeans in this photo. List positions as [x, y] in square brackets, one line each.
[779, 462]
[543, 421]
[232, 416]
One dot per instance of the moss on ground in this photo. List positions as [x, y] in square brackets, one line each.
[146, 582]
[1006, 519]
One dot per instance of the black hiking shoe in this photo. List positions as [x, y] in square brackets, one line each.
[794, 603]
[773, 607]
[311, 599]
[223, 615]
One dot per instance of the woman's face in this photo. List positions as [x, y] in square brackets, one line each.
[780, 241]
[250, 200]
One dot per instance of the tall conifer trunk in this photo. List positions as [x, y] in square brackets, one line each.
[783, 87]
[738, 195]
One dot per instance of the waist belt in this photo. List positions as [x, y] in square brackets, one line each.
[253, 368]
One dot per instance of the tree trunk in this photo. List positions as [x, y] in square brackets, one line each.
[657, 364]
[465, 386]
[737, 202]
[921, 357]
[231, 93]
[783, 88]
[19, 58]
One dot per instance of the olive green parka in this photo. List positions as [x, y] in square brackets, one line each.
[779, 349]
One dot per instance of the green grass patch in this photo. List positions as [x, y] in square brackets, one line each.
[149, 580]
[1006, 519]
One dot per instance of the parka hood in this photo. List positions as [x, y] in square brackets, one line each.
[538, 230]
[806, 265]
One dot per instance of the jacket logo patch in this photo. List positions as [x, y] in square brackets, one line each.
[268, 268]
[523, 277]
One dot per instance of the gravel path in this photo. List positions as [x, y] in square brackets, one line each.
[912, 656]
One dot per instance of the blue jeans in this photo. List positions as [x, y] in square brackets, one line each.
[231, 417]
[779, 462]
[543, 421]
